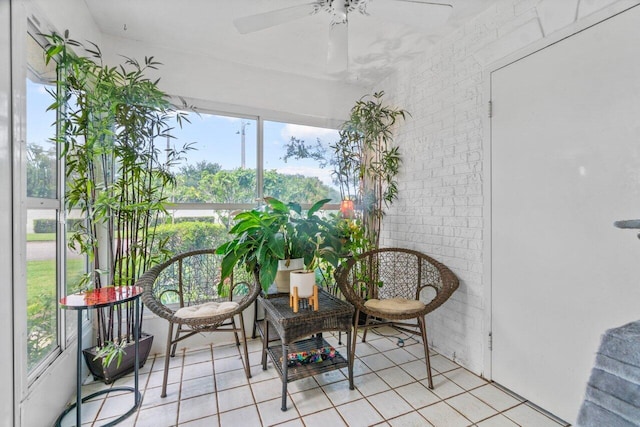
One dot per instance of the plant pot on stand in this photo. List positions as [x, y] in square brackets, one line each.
[303, 286]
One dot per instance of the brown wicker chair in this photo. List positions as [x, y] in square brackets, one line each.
[392, 285]
[188, 281]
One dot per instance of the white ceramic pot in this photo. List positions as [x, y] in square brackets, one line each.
[304, 280]
[285, 266]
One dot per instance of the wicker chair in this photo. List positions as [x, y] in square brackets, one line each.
[392, 285]
[184, 291]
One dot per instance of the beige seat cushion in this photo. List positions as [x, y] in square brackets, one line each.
[208, 309]
[395, 305]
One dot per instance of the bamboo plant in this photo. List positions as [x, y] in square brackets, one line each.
[114, 123]
[366, 162]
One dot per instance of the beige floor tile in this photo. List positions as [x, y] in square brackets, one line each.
[197, 355]
[271, 412]
[228, 364]
[211, 421]
[412, 419]
[359, 413]
[526, 416]
[330, 377]
[365, 349]
[471, 407]
[197, 407]
[417, 369]
[155, 379]
[152, 397]
[195, 387]
[196, 370]
[443, 415]
[443, 387]
[389, 404]
[395, 376]
[417, 395]
[230, 379]
[234, 398]
[309, 401]
[370, 384]
[116, 406]
[158, 416]
[246, 416]
[495, 397]
[267, 390]
[328, 417]
[497, 421]
[359, 368]
[400, 356]
[442, 364]
[339, 393]
[465, 379]
[377, 362]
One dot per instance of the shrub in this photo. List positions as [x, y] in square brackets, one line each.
[186, 236]
[44, 225]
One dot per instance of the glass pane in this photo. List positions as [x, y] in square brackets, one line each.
[221, 166]
[297, 163]
[41, 153]
[41, 285]
[75, 267]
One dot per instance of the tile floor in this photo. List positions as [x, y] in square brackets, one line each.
[391, 390]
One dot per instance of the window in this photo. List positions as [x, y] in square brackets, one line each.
[43, 230]
[222, 173]
[220, 164]
[297, 163]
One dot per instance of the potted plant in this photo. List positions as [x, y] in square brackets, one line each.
[263, 237]
[111, 120]
[322, 248]
[366, 162]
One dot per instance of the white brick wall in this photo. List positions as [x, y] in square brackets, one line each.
[441, 201]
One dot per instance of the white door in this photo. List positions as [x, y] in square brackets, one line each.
[565, 152]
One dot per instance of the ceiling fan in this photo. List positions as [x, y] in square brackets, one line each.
[338, 54]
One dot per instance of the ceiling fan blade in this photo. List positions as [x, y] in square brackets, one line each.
[338, 54]
[260, 21]
[425, 15]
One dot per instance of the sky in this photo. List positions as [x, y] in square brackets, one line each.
[217, 138]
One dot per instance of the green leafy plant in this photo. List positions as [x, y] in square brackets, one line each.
[111, 351]
[275, 232]
[366, 162]
[113, 126]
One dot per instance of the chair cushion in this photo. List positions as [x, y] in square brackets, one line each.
[395, 305]
[208, 309]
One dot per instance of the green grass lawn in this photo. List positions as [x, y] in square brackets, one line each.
[41, 237]
[41, 277]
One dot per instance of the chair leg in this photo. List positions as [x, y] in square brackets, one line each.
[354, 339]
[235, 329]
[247, 365]
[423, 331]
[175, 345]
[366, 324]
[166, 361]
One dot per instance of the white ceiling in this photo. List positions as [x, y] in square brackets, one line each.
[392, 34]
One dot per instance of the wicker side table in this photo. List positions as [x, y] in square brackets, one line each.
[293, 330]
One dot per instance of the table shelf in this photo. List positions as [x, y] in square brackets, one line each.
[297, 372]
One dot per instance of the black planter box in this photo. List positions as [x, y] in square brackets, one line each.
[111, 373]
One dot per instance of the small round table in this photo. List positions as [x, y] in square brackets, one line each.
[98, 298]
